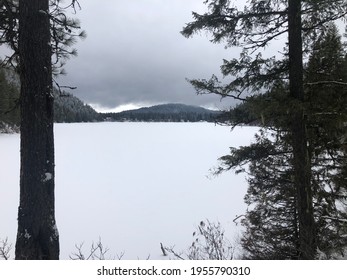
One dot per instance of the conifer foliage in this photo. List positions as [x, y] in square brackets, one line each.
[326, 118]
[288, 194]
[9, 95]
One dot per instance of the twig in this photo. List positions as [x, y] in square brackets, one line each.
[163, 249]
[5, 249]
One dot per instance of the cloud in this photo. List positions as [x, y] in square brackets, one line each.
[134, 54]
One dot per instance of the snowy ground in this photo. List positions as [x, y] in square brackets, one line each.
[134, 185]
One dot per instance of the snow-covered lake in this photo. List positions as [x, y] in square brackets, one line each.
[134, 185]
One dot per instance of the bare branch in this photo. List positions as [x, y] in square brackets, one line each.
[61, 93]
[163, 249]
[5, 249]
[97, 251]
[172, 251]
[209, 244]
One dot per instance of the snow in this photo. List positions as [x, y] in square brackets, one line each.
[134, 185]
[48, 176]
[26, 234]
[43, 12]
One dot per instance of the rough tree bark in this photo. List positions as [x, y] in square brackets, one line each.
[37, 236]
[302, 168]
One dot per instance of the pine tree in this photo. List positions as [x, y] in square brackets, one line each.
[271, 223]
[272, 220]
[256, 27]
[326, 117]
[35, 30]
[37, 235]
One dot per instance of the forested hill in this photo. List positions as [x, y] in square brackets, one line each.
[9, 105]
[164, 113]
[67, 108]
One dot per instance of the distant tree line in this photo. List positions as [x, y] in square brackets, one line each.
[164, 113]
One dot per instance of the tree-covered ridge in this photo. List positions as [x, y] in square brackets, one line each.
[165, 113]
[68, 108]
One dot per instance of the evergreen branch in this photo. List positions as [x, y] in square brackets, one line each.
[261, 43]
[250, 15]
[335, 219]
[326, 82]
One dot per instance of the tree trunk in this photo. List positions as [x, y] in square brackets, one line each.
[302, 166]
[37, 236]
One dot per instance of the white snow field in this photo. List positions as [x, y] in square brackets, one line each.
[133, 185]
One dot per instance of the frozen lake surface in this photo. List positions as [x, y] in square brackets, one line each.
[134, 185]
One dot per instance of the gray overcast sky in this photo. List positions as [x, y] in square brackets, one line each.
[134, 54]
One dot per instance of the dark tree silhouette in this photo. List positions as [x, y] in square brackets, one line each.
[35, 30]
[253, 28]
